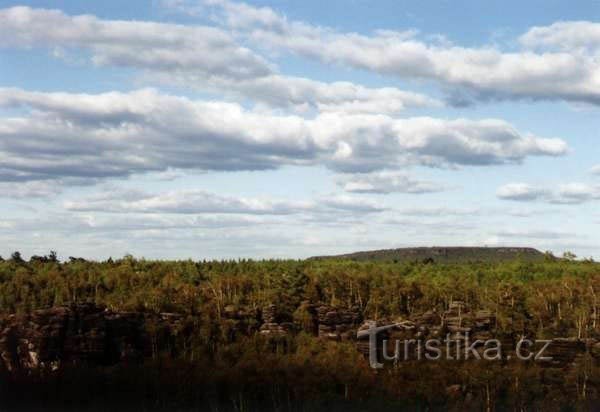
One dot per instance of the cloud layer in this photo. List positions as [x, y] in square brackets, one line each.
[566, 67]
[387, 182]
[201, 202]
[146, 45]
[203, 57]
[571, 193]
[82, 136]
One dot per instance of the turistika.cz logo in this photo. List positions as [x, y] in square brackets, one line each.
[452, 347]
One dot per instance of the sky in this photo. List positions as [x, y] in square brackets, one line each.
[216, 129]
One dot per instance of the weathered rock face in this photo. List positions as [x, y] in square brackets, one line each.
[324, 321]
[274, 324]
[92, 335]
[336, 323]
[463, 327]
[80, 334]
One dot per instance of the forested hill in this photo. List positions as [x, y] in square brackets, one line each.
[444, 254]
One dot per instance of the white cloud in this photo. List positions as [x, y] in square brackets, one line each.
[301, 95]
[582, 36]
[201, 202]
[439, 211]
[203, 57]
[570, 193]
[595, 170]
[437, 225]
[83, 136]
[577, 193]
[534, 234]
[351, 204]
[474, 73]
[98, 222]
[387, 182]
[147, 45]
[522, 192]
[31, 189]
[182, 202]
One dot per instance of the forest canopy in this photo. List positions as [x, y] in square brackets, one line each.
[220, 306]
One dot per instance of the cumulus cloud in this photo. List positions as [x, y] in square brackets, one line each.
[576, 193]
[204, 57]
[582, 36]
[475, 73]
[147, 45]
[521, 192]
[570, 193]
[351, 204]
[301, 94]
[595, 170]
[387, 182]
[368, 143]
[65, 135]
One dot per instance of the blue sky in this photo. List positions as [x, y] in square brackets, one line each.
[221, 129]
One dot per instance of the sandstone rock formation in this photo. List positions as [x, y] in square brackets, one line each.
[77, 334]
[464, 326]
[337, 323]
[325, 321]
[274, 324]
[86, 334]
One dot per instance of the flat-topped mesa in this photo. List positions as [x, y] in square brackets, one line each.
[453, 254]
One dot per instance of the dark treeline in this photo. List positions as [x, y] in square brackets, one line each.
[215, 367]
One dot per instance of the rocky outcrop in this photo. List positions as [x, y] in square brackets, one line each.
[337, 323]
[79, 334]
[91, 335]
[325, 321]
[274, 323]
[462, 327]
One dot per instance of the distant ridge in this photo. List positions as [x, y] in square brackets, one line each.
[444, 254]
